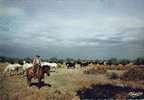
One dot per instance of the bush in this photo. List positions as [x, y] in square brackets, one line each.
[59, 65]
[120, 67]
[124, 61]
[113, 61]
[59, 95]
[117, 67]
[90, 71]
[95, 70]
[113, 75]
[3, 90]
[139, 61]
[135, 73]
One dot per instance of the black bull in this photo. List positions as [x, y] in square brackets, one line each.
[70, 64]
[73, 64]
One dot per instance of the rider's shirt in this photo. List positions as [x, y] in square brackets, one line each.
[36, 61]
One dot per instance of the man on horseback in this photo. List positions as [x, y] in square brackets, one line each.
[37, 72]
[36, 63]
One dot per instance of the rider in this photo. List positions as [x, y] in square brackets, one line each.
[36, 63]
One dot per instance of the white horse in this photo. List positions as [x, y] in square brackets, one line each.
[12, 68]
[53, 66]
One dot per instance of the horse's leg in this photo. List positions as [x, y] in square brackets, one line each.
[28, 81]
[10, 72]
[39, 83]
[54, 68]
[13, 73]
[23, 72]
[44, 77]
[48, 73]
[18, 71]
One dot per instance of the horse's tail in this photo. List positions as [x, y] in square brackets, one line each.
[48, 73]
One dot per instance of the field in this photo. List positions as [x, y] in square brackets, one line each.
[95, 81]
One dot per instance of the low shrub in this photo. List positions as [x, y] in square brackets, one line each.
[135, 73]
[59, 95]
[117, 67]
[112, 75]
[59, 65]
[90, 71]
[95, 70]
[3, 90]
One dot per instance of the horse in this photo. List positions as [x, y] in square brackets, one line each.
[38, 75]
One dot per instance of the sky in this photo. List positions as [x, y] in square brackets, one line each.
[72, 28]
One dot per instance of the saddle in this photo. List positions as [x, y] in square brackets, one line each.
[36, 69]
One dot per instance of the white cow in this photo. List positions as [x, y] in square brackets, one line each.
[27, 65]
[12, 68]
[53, 66]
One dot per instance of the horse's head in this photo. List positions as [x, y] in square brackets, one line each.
[46, 69]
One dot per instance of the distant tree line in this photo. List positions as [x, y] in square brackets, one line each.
[14, 59]
[111, 61]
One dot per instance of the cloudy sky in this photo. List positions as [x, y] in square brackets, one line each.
[72, 28]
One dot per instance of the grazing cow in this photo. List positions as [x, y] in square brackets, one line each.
[38, 75]
[70, 64]
[84, 63]
[12, 69]
[26, 66]
[53, 66]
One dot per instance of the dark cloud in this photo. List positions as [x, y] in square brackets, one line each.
[71, 28]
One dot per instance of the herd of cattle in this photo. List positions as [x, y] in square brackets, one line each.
[20, 68]
[17, 68]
